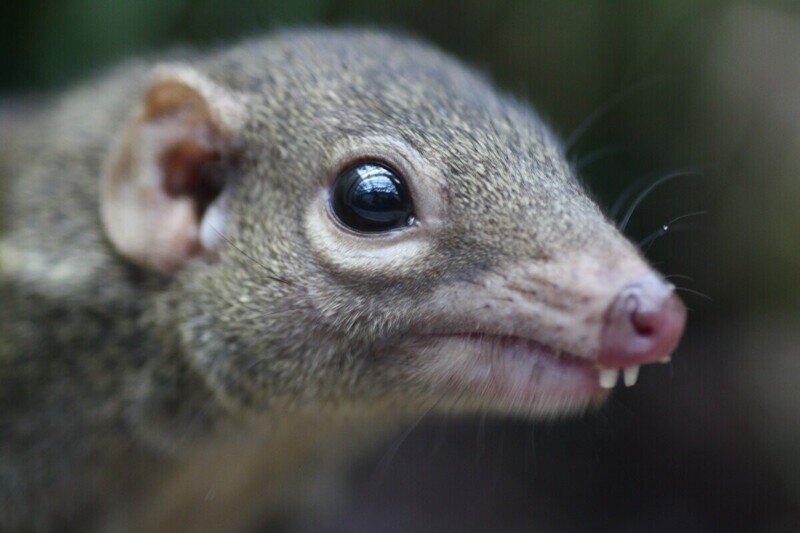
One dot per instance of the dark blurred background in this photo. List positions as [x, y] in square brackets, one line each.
[642, 89]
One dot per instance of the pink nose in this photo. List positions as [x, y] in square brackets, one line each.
[643, 324]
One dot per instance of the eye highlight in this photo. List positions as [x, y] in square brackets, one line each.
[371, 197]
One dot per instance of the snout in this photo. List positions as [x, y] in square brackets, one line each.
[552, 335]
[643, 324]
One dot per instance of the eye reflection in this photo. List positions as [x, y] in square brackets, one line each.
[371, 197]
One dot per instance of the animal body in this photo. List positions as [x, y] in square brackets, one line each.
[299, 238]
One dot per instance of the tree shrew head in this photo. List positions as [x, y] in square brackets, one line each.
[350, 216]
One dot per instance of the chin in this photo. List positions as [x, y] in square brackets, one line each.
[509, 376]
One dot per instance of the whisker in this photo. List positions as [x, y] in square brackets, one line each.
[599, 112]
[679, 276]
[391, 452]
[692, 291]
[674, 229]
[660, 232]
[640, 198]
[270, 275]
[597, 155]
[625, 195]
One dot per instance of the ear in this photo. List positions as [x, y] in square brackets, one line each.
[160, 189]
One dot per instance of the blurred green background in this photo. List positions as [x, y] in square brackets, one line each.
[711, 443]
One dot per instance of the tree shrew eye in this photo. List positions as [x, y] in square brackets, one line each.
[371, 197]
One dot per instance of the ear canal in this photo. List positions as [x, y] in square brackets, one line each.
[168, 168]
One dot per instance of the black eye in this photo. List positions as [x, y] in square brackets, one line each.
[371, 197]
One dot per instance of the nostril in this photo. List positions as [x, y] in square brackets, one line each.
[643, 324]
[632, 301]
[643, 329]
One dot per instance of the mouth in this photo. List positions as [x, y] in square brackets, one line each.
[551, 348]
[521, 373]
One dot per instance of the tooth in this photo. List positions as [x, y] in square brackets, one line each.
[630, 374]
[665, 360]
[608, 377]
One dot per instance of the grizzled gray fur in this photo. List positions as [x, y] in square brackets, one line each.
[110, 372]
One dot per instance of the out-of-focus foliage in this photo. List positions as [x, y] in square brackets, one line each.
[709, 86]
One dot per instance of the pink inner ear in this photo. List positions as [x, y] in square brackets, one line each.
[188, 172]
[166, 173]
